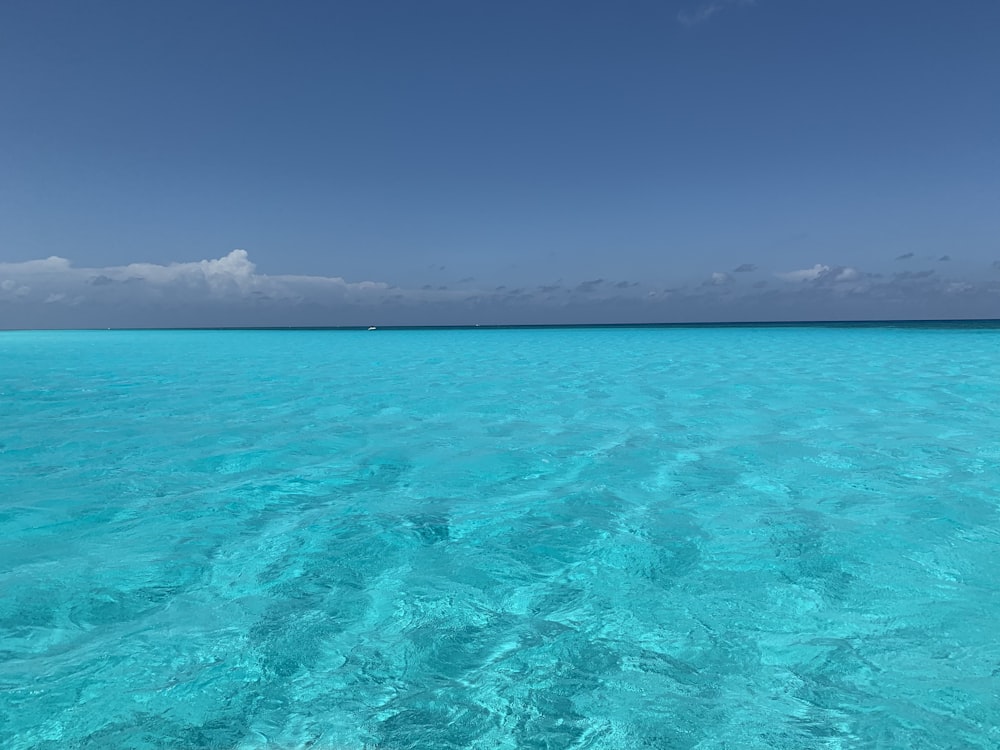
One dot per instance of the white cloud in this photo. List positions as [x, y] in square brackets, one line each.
[11, 288]
[847, 274]
[806, 274]
[822, 273]
[233, 271]
[229, 278]
[52, 264]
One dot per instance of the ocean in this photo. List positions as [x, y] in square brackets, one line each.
[650, 537]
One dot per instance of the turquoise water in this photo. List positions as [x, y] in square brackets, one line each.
[568, 538]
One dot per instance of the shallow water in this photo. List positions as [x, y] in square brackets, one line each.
[567, 538]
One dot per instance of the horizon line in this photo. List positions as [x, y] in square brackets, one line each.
[868, 323]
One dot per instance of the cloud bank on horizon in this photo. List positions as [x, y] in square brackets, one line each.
[230, 291]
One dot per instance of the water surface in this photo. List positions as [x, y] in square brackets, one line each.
[556, 538]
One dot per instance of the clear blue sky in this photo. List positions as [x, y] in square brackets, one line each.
[524, 145]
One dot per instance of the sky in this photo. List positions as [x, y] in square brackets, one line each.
[433, 162]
